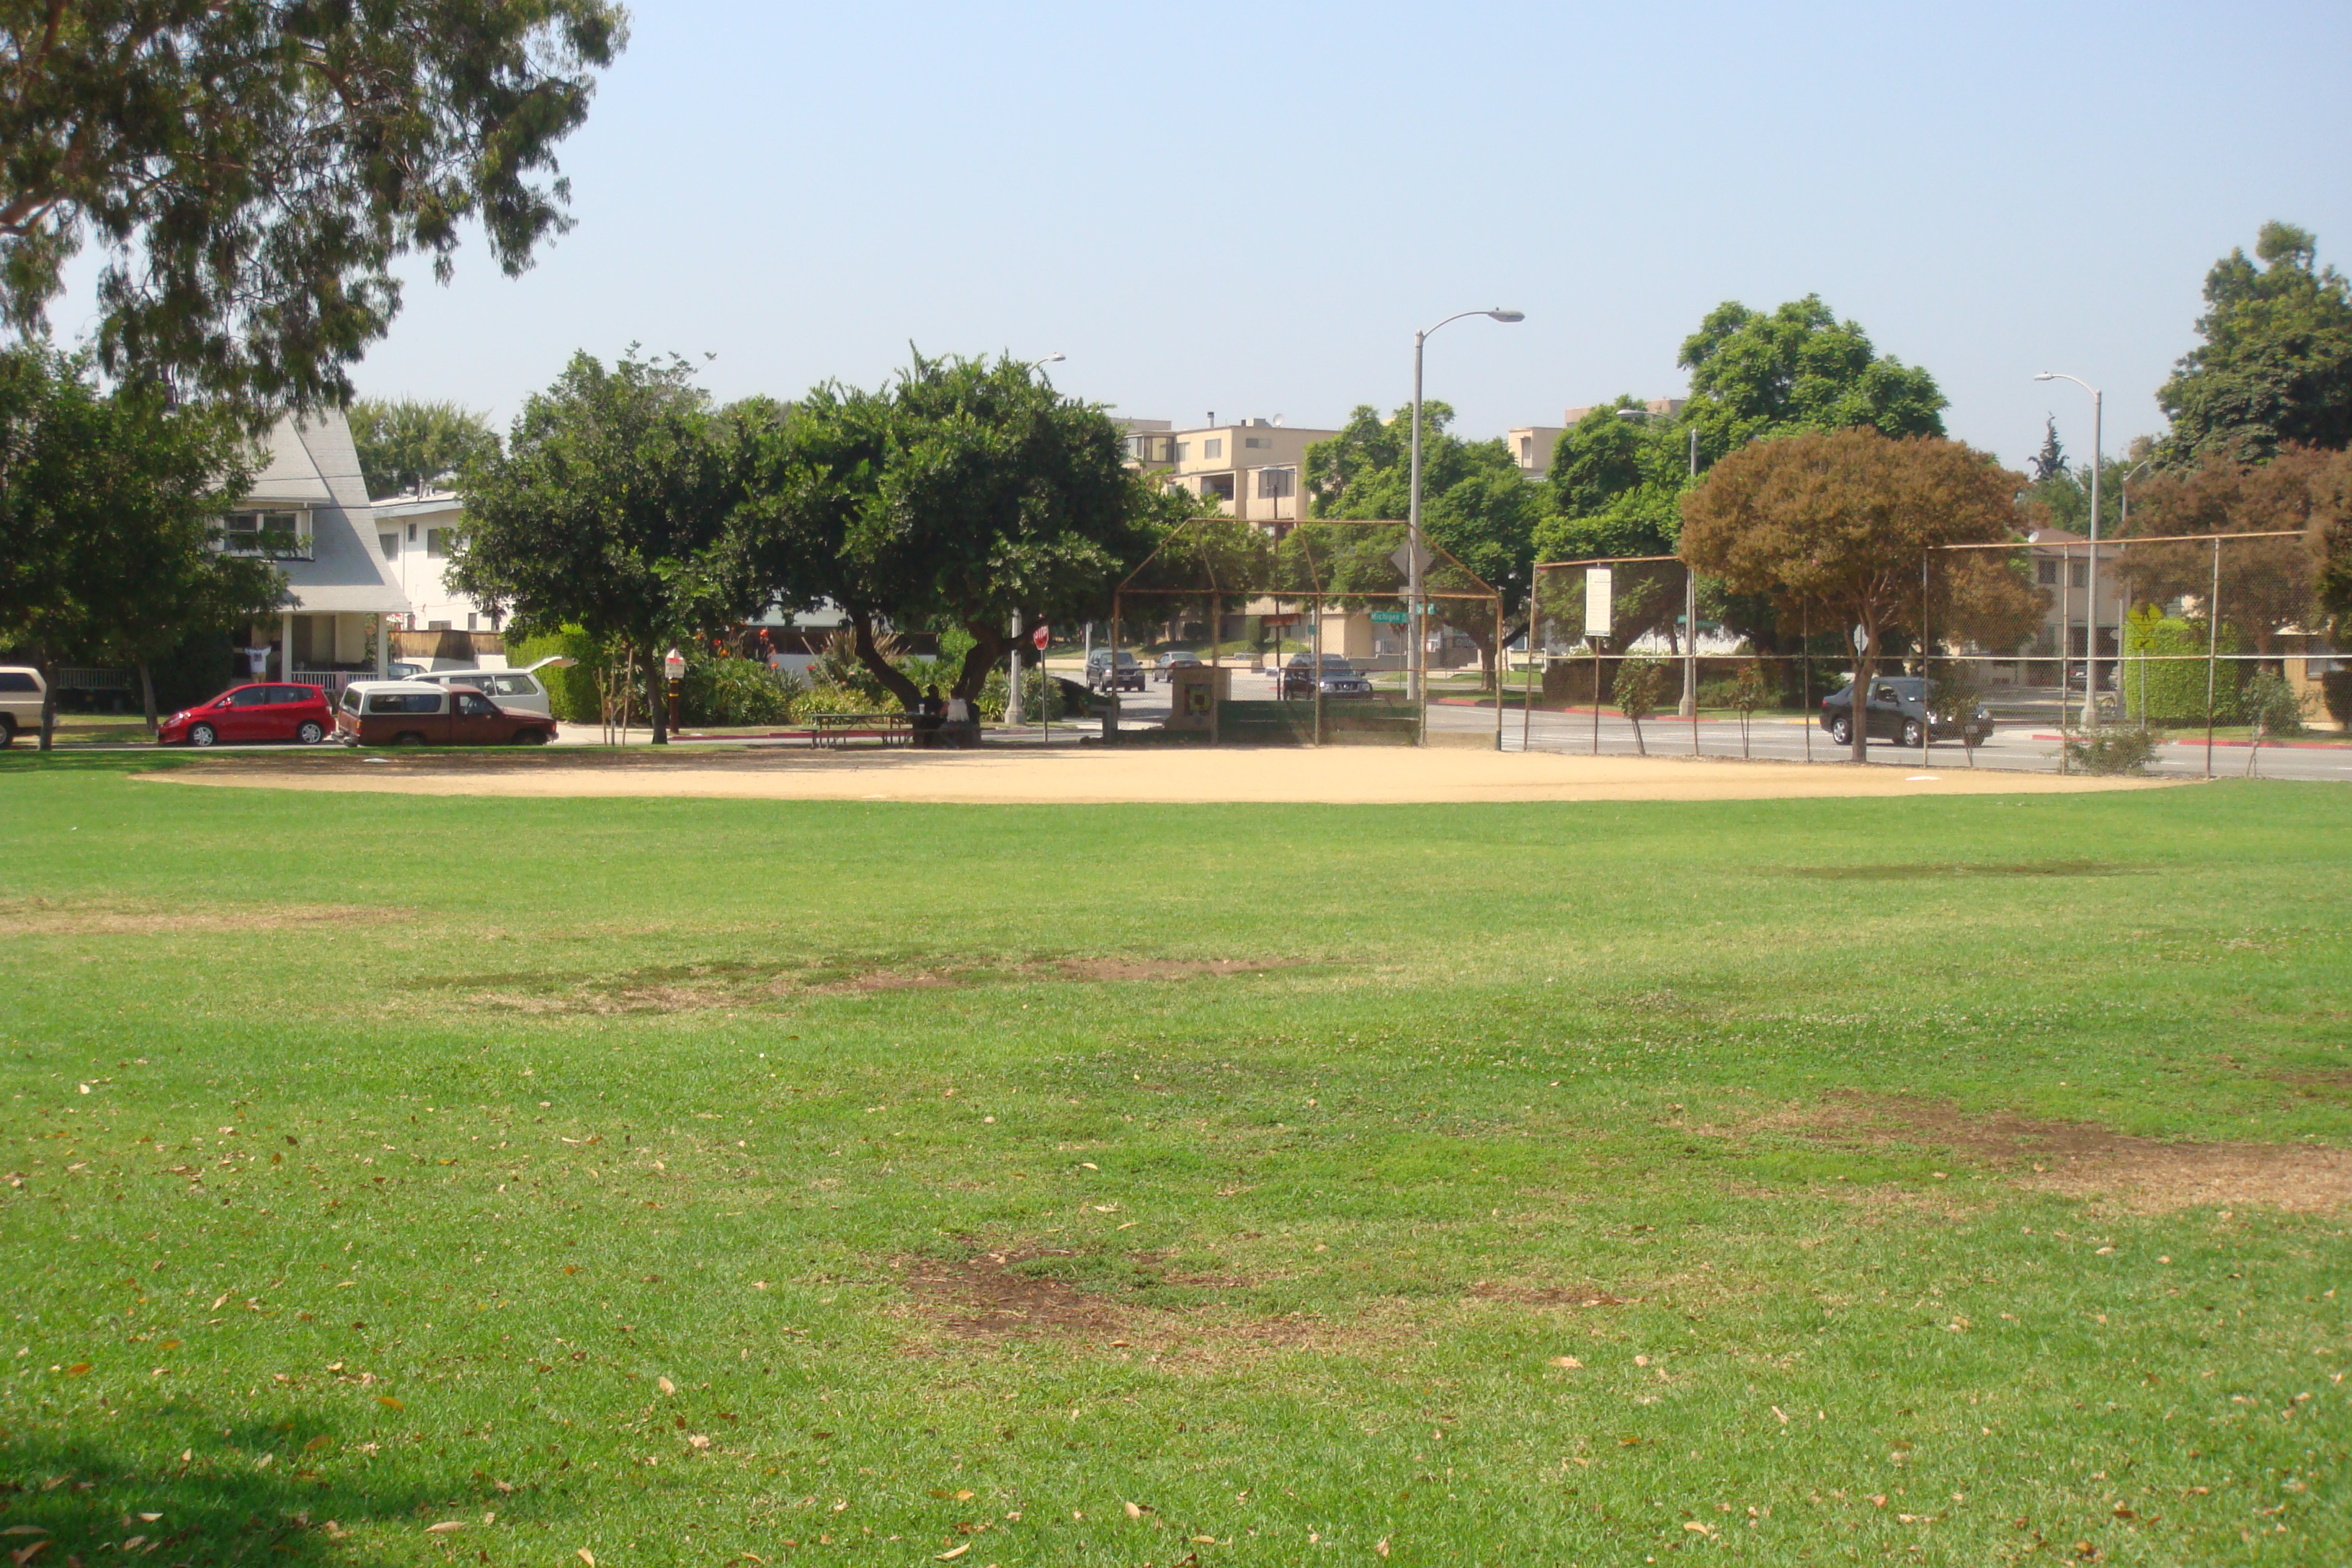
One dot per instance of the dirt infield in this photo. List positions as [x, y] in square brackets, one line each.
[1332, 776]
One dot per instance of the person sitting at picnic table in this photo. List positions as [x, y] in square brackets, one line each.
[928, 715]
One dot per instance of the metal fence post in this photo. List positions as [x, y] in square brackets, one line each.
[2212, 650]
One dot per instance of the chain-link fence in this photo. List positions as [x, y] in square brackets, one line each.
[1311, 634]
[2179, 653]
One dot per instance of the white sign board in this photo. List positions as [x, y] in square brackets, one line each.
[1599, 585]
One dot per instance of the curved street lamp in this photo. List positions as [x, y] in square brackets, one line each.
[2090, 577]
[1412, 510]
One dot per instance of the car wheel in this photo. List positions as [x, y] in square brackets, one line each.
[1914, 733]
[310, 732]
[201, 734]
[1841, 731]
[7, 731]
[408, 738]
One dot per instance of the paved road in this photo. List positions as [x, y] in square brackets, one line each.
[2028, 747]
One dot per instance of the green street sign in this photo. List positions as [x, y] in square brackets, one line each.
[1391, 617]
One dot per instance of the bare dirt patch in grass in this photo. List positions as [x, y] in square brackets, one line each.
[989, 1296]
[2081, 1159]
[1549, 1295]
[1011, 1295]
[693, 987]
[59, 917]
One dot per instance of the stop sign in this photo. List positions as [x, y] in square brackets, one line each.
[1040, 637]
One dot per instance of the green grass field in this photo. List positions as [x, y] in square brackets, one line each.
[463, 1181]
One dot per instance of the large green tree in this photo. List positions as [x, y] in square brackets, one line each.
[1754, 374]
[254, 168]
[2275, 364]
[967, 493]
[1837, 523]
[609, 510]
[407, 443]
[110, 507]
[1475, 502]
[1618, 483]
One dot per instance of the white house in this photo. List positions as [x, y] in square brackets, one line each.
[308, 510]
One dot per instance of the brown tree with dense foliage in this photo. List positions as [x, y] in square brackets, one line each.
[1837, 523]
[2267, 586]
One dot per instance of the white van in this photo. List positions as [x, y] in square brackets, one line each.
[21, 691]
[520, 691]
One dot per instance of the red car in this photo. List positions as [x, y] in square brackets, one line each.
[253, 713]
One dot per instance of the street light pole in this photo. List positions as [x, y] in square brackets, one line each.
[2090, 577]
[1414, 674]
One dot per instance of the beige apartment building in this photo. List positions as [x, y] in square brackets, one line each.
[1254, 469]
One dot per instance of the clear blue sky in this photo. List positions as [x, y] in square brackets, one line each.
[1249, 209]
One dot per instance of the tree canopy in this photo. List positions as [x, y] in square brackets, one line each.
[2267, 586]
[2275, 365]
[409, 443]
[610, 510]
[1836, 523]
[1618, 485]
[1798, 368]
[253, 169]
[967, 492]
[1475, 502]
[109, 504]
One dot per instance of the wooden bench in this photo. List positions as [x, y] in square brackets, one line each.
[840, 728]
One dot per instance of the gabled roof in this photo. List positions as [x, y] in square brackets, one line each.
[311, 463]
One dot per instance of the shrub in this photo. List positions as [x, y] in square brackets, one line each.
[571, 693]
[2272, 706]
[2172, 691]
[2112, 749]
[1639, 683]
[722, 689]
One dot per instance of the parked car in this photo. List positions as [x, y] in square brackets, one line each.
[21, 691]
[1897, 710]
[1340, 679]
[1099, 668]
[520, 689]
[1175, 659]
[433, 713]
[256, 712]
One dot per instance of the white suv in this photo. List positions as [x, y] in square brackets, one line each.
[21, 691]
[518, 691]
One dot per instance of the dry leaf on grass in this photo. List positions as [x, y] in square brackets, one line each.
[1569, 1362]
[666, 1385]
[444, 1527]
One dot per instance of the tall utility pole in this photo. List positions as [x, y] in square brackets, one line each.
[2090, 577]
[1690, 617]
[1413, 620]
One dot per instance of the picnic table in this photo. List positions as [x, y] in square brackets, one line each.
[840, 728]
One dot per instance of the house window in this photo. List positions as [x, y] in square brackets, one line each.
[1273, 484]
[436, 625]
[1257, 441]
[2046, 573]
[2078, 574]
[390, 544]
[1183, 451]
[411, 534]
[1527, 450]
[1218, 485]
[470, 623]
[437, 541]
[284, 535]
[1215, 446]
